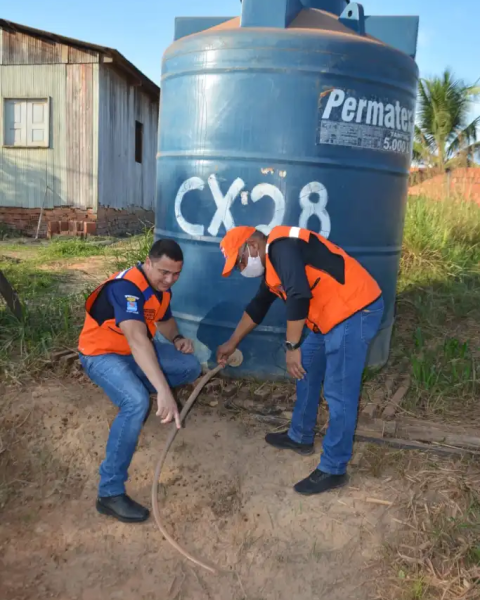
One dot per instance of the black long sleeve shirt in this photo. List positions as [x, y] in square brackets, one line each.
[289, 257]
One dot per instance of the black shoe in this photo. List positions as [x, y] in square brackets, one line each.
[123, 508]
[319, 482]
[283, 442]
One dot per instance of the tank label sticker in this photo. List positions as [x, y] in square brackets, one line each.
[349, 119]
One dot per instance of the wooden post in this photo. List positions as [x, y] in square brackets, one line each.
[11, 297]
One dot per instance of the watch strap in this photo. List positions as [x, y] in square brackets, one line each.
[291, 346]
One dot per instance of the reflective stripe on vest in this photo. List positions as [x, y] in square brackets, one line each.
[332, 302]
[107, 338]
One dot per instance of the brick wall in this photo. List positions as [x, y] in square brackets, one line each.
[111, 221]
[107, 221]
[25, 220]
[464, 183]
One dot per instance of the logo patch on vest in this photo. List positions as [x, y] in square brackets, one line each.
[132, 304]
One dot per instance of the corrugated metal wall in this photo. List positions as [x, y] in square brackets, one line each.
[124, 183]
[85, 161]
[66, 172]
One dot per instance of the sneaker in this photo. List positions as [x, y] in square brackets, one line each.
[283, 442]
[319, 482]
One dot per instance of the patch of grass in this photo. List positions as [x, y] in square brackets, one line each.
[438, 306]
[50, 321]
[56, 249]
[444, 372]
[441, 241]
[52, 316]
[133, 250]
[76, 247]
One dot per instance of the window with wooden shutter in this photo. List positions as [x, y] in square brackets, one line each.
[26, 123]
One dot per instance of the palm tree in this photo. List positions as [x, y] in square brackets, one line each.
[444, 137]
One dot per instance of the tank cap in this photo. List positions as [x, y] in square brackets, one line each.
[354, 18]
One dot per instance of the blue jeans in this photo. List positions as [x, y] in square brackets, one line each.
[337, 361]
[128, 388]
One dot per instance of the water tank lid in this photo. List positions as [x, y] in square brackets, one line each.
[398, 32]
[309, 18]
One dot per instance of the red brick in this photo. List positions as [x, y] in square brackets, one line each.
[89, 228]
[53, 227]
[108, 221]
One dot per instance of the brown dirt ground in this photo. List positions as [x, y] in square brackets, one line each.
[227, 496]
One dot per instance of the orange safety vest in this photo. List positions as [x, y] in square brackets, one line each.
[107, 338]
[332, 301]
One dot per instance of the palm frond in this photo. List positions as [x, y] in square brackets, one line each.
[443, 128]
[464, 138]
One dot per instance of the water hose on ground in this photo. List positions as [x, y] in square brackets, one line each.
[235, 361]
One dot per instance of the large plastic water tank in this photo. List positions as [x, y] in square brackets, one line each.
[307, 124]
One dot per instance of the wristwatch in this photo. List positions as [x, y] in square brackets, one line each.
[291, 346]
[179, 336]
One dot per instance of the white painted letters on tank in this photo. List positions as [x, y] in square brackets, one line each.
[224, 203]
[223, 214]
[267, 189]
[194, 183]
[318, 209]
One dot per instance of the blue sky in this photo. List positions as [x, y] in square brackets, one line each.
[142, 29]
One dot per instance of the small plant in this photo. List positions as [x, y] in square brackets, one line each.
[418, 589]
[134, 250]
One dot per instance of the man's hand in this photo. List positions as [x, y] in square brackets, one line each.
[294, 364]
[184, 345]
[224, 352]
[167, 408]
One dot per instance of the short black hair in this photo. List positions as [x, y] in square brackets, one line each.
[168, 248]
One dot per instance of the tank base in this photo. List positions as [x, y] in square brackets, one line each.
[263, 350]
[380, 349]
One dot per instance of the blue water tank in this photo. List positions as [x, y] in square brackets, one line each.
[305, 122]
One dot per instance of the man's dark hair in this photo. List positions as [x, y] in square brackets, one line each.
[168, 248]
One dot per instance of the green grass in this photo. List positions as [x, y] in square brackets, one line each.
[51, 320]
[438, 306]
[133, 250]
[70, 248]
[57, 249]
[52, 313]
[53, 308]
[441, 241]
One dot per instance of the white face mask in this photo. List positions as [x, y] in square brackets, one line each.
[254, 266]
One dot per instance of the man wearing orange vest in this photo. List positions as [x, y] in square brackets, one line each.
[119, 353]
[342, 305]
